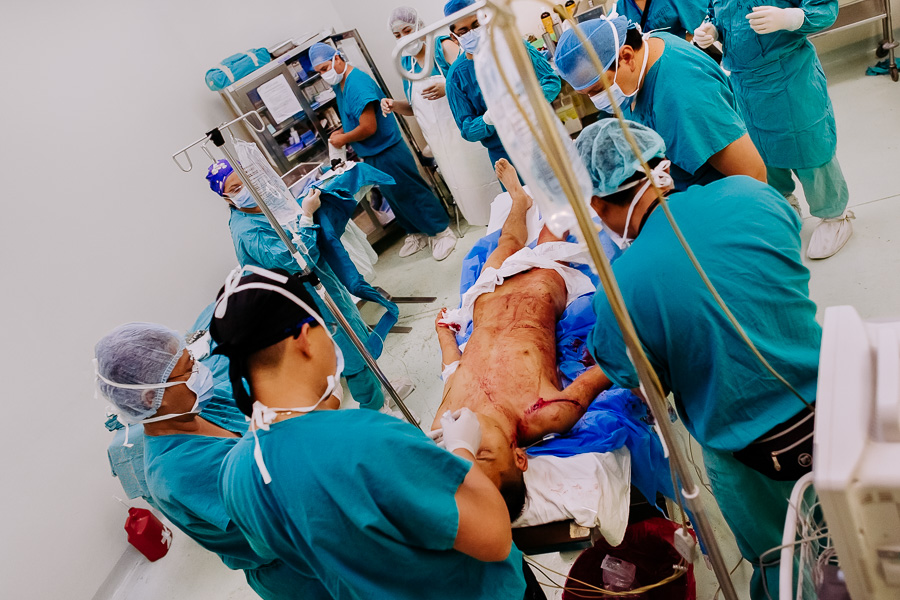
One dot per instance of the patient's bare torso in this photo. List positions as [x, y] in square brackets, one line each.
[509, 363]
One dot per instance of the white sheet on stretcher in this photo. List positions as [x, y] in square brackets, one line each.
[500, 208]
[543, 256]
[593, 489]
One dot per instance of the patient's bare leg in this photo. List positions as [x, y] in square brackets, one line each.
[514, 234]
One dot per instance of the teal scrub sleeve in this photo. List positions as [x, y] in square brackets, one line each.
[469, 120]
[698, 119]
[607, 346]
[416, 484]
[181, 494]
[549, 80]
[820, 14]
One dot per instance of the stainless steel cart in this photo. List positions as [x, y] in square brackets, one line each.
[869, 11]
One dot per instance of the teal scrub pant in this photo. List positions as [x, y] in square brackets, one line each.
[825, 187]
[415, 206]
[366, 389]
[755, 508]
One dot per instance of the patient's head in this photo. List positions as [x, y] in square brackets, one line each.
[501, 459]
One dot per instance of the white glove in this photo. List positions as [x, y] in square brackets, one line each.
[437, 436]
[461, 430]
[487, 118]
[311, 203]
[706, 35]
[769, 19]
[387, 106]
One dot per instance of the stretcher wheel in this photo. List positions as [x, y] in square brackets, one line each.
[894, 74]
[881, 51]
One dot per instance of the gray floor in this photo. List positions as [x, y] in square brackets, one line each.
[864, 274]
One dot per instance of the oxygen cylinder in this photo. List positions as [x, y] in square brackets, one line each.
[147, 533]
[547, 22]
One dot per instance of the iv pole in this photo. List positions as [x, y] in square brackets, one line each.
[215, 136]
[503, 20]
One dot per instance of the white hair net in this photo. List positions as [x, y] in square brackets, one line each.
[608, 157]
[136, 354]
[404, 16]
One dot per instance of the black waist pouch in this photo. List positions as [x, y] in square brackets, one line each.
[784, 453]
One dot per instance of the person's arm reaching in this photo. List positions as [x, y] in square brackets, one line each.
[470, 122]
[368, 125]
[484, 531]
[401, 107]
[740, 157]
[547, 77]
[559, 413]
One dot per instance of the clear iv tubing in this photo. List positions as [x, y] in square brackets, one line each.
[554, 149]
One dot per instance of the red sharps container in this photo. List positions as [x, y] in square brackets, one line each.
[147, 533]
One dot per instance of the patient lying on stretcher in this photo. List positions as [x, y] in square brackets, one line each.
[508, 372]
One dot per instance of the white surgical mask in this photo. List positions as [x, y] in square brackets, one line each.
[262, 415]
[243, 199]
[332, 77]
[470, 40]
[200, 382]
[601, 100]
[663, 181]
[415, 48]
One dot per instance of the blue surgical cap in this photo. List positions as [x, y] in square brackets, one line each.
[608, 156]
[572, 60]
[217, 174]
[320, 53]
[456, 5]
[136, 354]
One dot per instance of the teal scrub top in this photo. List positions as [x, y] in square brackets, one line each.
[354, 94]
[678, 17]
[791, 129]
[364, 503]
[688, 101]
[746, 237]
[467, 102]
[257, 244]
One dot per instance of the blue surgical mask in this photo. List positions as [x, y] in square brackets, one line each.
[469, 41]
[201, 383]
[601, 100]
[332, 77]
[243, 199]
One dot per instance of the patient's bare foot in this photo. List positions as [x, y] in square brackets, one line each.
[508, 176]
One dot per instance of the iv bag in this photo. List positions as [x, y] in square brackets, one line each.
[269, 185]
[520, 144]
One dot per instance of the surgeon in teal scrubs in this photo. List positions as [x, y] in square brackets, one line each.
[782, 92]
[190, 424]
[678, 17]
[256, 243]
[376, 140]
[745, 236]
[466, 100]
[364, 503]
[663, 82]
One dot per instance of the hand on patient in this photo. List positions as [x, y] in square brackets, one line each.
[311, 203]
[461, 431]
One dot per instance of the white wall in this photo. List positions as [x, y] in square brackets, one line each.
[99, 227]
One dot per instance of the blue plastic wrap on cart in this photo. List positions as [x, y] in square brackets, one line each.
[240, 65]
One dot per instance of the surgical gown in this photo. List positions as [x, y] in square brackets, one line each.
[364, 503]
[468, 105]
[182, 477]
[257, 244]
[745, 236]
[688, 101]
[415, 206]
[678, 17]
[783, 95]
